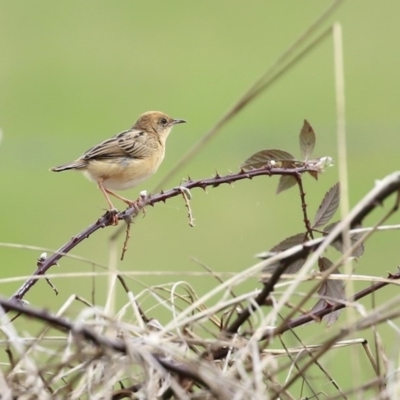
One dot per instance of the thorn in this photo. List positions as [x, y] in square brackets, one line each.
[217, 175]
[162, 193]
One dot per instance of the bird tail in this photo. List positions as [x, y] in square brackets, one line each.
[78, 164]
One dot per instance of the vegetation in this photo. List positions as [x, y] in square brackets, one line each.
[284, 327]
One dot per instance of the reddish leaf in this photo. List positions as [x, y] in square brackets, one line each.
[287, 243]
[329, 228]
[328, 206]
[285, 182]
[338, 244]
[292, 268]
[307, 140]
[330, 318]
[329, 292]
[314, 174]
[262, 158]
[283, 245]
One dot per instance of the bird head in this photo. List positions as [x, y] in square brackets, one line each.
[157, 122]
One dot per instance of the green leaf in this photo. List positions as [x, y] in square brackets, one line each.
[285, 182]
[307, 140]
[262, 158]
[328, 206]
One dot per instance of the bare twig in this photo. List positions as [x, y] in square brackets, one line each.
[131, 212]
[306, 220]
[127, 237]
[187, 197]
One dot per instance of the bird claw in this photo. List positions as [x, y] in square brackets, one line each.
[137, 205]
[113, 214]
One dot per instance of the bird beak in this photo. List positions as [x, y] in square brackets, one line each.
[178, 121]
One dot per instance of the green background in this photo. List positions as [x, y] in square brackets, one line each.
[74, 73]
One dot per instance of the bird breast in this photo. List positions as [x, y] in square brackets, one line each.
[123, 172]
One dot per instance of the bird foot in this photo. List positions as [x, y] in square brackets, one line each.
[137, 205]
[113, 214]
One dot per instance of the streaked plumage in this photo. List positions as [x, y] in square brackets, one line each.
[127, 158]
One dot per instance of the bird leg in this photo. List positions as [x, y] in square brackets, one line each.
[131, 203]
[110, 205]
[125, 200]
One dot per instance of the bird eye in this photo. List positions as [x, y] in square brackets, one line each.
[163, 121]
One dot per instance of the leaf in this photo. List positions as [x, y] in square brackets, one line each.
[285, 182]
[314, 174]
[357, 252]
[282, 246]
[292, 268]
[307, 140]
[338, 244]
[328, 206]
[289, 242]
[329, 291]
[261, 158]
[330, 318]
[329, 228]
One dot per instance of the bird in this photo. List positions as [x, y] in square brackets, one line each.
[126, 159]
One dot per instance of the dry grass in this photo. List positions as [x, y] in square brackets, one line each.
[229, 343]
[129, 355]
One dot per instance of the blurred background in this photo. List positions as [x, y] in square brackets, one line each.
[75, 73]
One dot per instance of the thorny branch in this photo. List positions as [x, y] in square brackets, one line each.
[132, 212]
[375, 198]
[316, 315]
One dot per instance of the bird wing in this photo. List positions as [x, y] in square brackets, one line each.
[132, 143]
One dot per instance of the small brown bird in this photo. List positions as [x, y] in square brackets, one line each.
[128, 158]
